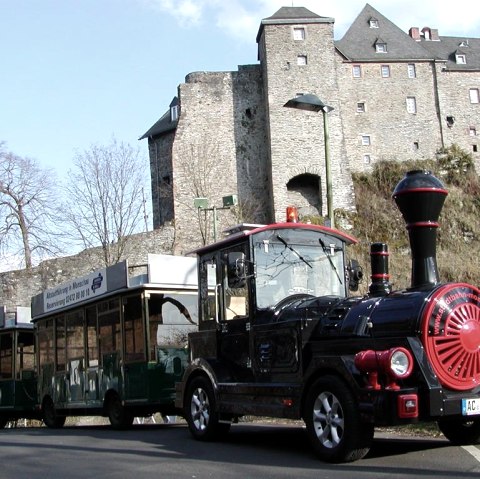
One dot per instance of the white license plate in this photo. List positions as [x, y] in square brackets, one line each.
[470, 407]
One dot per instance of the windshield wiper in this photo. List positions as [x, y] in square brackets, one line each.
[325, 250]
[294, 251]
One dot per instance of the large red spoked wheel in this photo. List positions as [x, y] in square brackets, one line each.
[451, 335]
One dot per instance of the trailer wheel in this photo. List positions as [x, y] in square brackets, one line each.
[120, 417]
[333, 422]
[200, 411]
[460, 431]
[49, 415]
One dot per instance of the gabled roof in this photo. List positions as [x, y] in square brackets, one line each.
[358, 43]
[164, 124]
[292, 15]
[446, 48]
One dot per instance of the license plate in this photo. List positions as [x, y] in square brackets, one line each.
[470, 407]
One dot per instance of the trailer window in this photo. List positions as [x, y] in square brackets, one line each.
[6, 358]
[25, 353]
[60, 342]
[109, 327]
[45, 342]
[134, 330]
[75, 336]
[92, 337]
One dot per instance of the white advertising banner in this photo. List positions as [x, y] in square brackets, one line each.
[75, 291]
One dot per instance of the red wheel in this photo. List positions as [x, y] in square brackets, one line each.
[451, 335]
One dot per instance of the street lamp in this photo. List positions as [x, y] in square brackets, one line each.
[202, 204]
[311, 102]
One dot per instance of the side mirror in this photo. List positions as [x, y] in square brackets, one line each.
[355, 274]
[236, 270]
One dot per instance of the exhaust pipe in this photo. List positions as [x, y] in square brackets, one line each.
[420, 197]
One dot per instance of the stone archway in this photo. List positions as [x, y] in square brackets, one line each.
[305, 192]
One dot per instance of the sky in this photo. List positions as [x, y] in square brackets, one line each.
[75, 73]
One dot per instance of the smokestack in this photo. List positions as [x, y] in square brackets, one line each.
[420, 197]
[380, 285]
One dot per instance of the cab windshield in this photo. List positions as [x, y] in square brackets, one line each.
[290, 262]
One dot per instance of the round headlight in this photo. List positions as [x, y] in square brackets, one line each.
[401, 362]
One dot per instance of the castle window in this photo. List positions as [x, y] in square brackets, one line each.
[299, 33]
[412, 73]
[411, 104]
[474, 95]
[385, 71]
[356, 71]
[302, 60]
[472, 131]
[461, 59]
[367, 159]
[416, 146]
[381, 47]
[360, 107]
[373, 23]
[366, 140]
[474, 148]
[174, 113]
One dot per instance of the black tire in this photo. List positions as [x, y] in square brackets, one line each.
[120, 417]
[333, 422]
[200, 411]
[49, 415]
[3, 422]
[460, 431]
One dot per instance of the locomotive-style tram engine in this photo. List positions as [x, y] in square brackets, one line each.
[279, 336]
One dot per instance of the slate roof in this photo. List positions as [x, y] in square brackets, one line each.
[358, 43]
[448, 47]
[291, 15]
[163, 125]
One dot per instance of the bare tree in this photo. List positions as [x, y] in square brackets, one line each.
[106, 197]
[28, 209]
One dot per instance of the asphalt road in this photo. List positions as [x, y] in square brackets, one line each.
[250, 451]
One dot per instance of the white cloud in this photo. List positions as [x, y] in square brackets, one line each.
[241, 18]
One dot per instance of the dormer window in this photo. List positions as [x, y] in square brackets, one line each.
[380, 46]
[460, 58]
[174, 113]
[299, 33]
[373, 23]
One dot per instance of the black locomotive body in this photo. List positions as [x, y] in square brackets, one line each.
[280, 336]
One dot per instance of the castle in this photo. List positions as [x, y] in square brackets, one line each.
[389, 95]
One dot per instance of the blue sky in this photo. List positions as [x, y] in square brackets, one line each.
[78, 72]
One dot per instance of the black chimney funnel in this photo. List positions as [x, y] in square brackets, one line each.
[380, 285]
[420, 197]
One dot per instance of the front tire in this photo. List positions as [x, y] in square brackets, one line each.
[200, 411]
[120, 417]
[460, 431]
[333, 422]
[49, 415]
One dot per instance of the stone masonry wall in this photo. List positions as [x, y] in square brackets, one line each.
[18, 287]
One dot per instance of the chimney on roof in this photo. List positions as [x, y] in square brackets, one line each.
[414, 33]
[434, 34]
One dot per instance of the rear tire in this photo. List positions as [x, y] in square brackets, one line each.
[201, 412]
[333, 422]
[460, 431]
[49, 415]
[120, 417]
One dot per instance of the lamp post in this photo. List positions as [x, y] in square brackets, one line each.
[202, 204]
[310, 102]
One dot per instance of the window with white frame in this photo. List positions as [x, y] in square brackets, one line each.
[361, 107]
[301, 59]
[174, 113]
[461, 59]
[411, 104]
[385, 71]
[412, 72]
[373, 23]
[356, 71]
[366, 140]
[299, 33]
[381, 47]
[474, 95]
